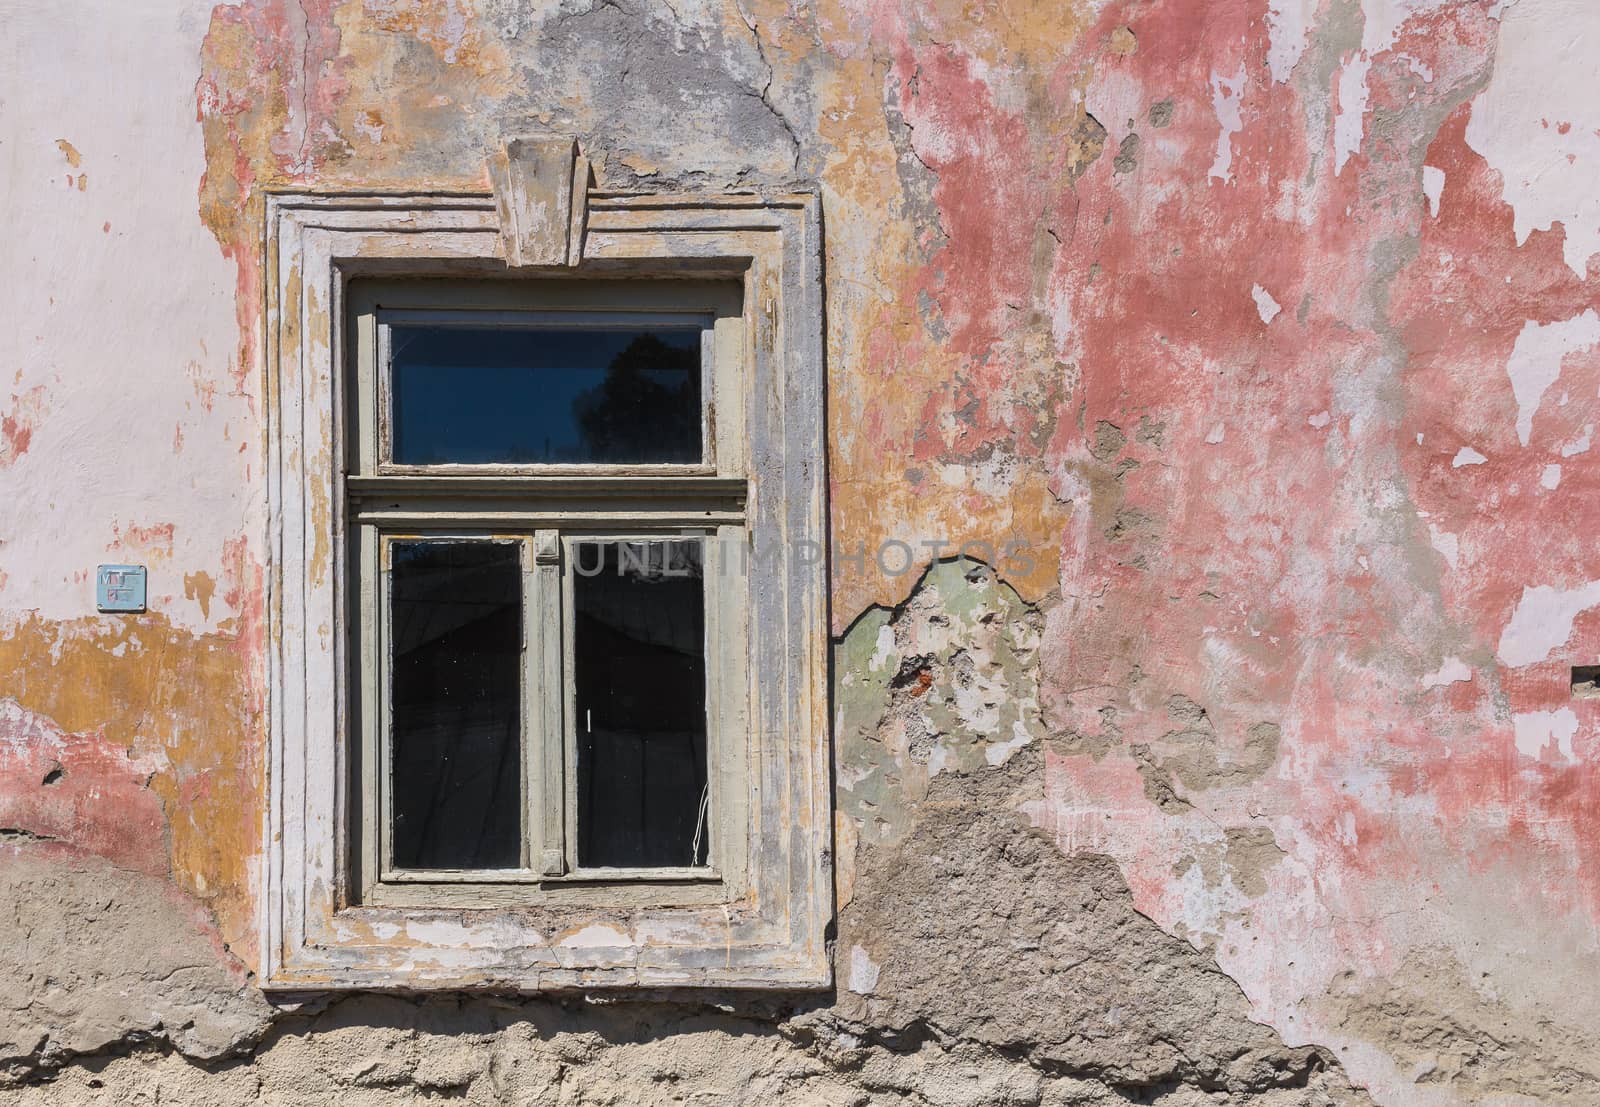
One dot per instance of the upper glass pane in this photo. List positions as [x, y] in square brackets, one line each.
[529, 394]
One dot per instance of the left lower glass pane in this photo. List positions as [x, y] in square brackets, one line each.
[455, 624]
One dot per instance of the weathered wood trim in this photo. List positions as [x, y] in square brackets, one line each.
[541, 190]
[764, 927]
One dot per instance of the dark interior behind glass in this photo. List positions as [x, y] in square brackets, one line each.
[639, 652]
[532, 394]
[456, 623]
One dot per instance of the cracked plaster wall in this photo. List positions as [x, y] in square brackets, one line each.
[1263, 327]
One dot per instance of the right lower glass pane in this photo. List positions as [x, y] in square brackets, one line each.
[639, 655]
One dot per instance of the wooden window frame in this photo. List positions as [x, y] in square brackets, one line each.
[415, 501]
[761, 922]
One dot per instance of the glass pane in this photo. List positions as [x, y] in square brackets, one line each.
[456, 623]
[531, 395]
[639, 652]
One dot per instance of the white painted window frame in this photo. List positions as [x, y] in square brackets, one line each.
[767, 928]
[549, 504]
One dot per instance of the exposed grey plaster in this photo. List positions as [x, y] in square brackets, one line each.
[982, 931]
[93, 957]
[644, 82]
[977, 964]
[1463, 1040]
[378, 1052]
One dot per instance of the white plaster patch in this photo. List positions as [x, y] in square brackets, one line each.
[120, 88]
[1538, 121]
[863, 972]
[1319, 420]
[1536, 360]
[1550, 478]
[1452, 670]
[444, 934]
[595, 936]
[1349, 122]
[1579, 445]
[1288, 30]
[1543, 622]
[1433, 188]
[1448, 545]
[1226, 94]
[1536, 730]
[998, 753]
[1218, 433]
[978, 706]
[1466, 455]
[1419, 67]
[1381, 23]
[1266, 306]
[883, 649]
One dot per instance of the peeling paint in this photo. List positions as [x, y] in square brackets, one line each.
[1265, 736]
[1542, 621]
[1536, 359]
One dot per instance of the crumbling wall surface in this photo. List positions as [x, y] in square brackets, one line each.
[1212, 394]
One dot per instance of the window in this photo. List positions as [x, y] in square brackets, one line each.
[546, 682]
[537, 502]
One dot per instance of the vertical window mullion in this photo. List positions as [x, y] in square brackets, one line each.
[384, 684]
[717, 641]
[569, 702]
[545, 739]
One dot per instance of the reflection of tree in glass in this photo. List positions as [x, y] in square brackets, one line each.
[648, 408]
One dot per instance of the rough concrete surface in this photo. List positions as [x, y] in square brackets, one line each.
[1254, 343]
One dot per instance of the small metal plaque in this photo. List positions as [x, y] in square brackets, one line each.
[119, 588]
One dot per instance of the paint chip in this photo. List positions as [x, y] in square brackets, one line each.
[1448, 544]
[1266, 306]
[1288, 30]
[1536, 731]
[1542, 622]
[863, 972]
[1453, 670]
[1432, 188]
[1349, 121]
[595, 936]
[1467, 456]
[883, 649]
[1217, 434]
[1535, 361]
[1547, 173]
[1551, 477]
[1226, 94]
[1319, 420]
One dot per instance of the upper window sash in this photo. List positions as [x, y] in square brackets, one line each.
[394, 318]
